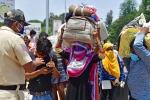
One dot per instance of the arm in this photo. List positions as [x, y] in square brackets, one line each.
[127, 63]
[122, 75]
[23, 57]
[140, 50]
[37, 73]
[58, 45]
[32, 74]
[103, 74]
[56, 73]
[101, 54]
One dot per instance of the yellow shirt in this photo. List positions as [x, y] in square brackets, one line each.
[13, 54]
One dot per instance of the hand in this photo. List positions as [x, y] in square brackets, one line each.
[95, 34]
[51, 64]
[122, 84]
[116, 80]
[62, 32]
[39, 61]
[62, 29]
[145, 30]
[61, 86]
[44, 70]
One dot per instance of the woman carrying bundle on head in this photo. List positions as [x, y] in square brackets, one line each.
[81, 68]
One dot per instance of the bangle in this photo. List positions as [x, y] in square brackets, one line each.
[60, 40]
[102, 52]
[100, 45]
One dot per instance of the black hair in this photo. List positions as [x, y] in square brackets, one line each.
[132, 42]
[26, 36]
[43, 45]
[43, 34]
[32, 32]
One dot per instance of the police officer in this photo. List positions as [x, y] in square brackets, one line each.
[14, 57]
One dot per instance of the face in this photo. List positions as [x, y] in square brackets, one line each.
[44, 36]
[32, 35]
[26, 40]
[41, 55]
[17, 26]
[132, 51]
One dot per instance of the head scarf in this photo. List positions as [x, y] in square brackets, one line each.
[77, 66]
[110, 62]
[79, 59]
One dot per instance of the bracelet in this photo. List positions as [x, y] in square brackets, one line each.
[58, 50]
[102, 52]
[60, 40]
[100, 45]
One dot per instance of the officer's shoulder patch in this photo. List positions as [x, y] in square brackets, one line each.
[24, 47]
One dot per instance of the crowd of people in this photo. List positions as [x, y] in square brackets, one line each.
[78, 73]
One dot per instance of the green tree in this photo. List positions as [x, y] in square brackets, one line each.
[109, 18]
[54, 17]
[128, 12]
[128, 7]
[116, 26]
[1, 23]
[145, 8]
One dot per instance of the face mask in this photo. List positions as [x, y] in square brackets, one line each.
[134, 57]
[79, 53]
[22, 30]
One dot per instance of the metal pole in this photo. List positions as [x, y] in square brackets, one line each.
[47, 16]
[65, 12]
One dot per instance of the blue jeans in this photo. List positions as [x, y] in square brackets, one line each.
[44, 97]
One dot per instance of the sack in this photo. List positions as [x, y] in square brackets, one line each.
[138, 21]
[126, 38]
[128, 34]
[147, 41]
[80, 28]
[102, 31]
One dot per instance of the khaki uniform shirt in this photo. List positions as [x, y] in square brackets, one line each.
[13, 54]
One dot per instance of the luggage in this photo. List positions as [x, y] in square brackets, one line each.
[128, 34]
[102, 31]
[80, 28]
[126, 38]
[78, 11]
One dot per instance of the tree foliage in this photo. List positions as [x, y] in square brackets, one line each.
[37, 21]
[109, 18]
[145, 8]
[128, 12]
[1, 23]
[128, 7]
[52, 17]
